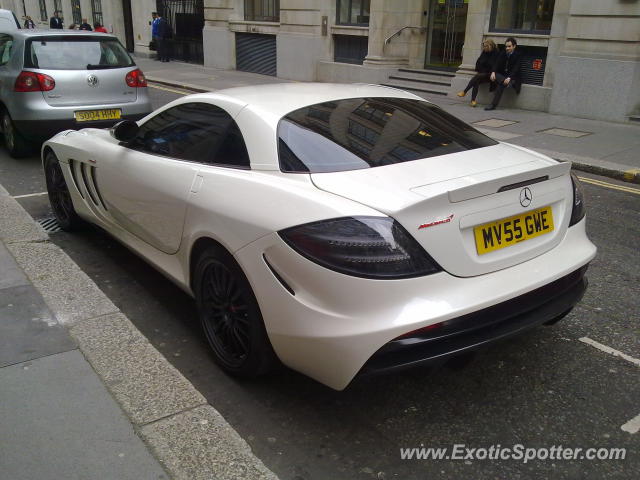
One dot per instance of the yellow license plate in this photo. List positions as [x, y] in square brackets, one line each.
[508, 231]
[93, 115]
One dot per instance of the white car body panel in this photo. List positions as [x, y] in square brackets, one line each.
[336, 322]
[332, 323]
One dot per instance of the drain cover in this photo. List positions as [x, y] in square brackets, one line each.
[50, 225]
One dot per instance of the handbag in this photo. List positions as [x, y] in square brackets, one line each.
[153, 46]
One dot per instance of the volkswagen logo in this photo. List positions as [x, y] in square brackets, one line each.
[525, 197]
[92, 80]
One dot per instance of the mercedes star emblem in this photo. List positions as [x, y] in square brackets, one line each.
[92, 80]
[525, 197]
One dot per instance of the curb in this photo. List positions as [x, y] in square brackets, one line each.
[185, 86]
[190, 438]
[630, 176]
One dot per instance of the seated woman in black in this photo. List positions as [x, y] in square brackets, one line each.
[484, 66]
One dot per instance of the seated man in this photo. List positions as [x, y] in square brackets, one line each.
[506, 71]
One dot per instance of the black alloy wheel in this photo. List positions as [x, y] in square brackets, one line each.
[230, 316]
[59, 196]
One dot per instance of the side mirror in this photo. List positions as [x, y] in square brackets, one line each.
[125, 131]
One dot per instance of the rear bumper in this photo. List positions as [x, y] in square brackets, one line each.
[41, 130]
[478, 329]
[37, 121]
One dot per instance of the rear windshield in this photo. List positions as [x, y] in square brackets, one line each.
[370, 132]
[76, 53]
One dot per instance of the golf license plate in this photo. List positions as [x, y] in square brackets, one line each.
[93, 115]
[508, 231]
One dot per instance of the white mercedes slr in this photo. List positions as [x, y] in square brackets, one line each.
[343, 230]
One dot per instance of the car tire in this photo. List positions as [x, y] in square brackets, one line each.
[15, 143]
[59, 196]
[230, 316]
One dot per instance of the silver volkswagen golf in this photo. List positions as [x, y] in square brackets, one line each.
[52, 80]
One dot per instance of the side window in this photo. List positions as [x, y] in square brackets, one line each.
[198, 132]
[6, 42]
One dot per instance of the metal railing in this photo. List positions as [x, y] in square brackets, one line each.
[420, 29]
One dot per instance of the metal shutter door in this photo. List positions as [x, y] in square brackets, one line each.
[256, 53]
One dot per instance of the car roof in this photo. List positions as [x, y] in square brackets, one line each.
[39, 32]
[281, 98]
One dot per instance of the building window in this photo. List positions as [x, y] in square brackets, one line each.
[350, 49]
[522, 16]
[75, 11]
[375, 113]
[363, 133]
[43, 11]
[96, 8]
[353, 12]
[262, 10]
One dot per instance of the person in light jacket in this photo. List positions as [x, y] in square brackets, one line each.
[484, 65]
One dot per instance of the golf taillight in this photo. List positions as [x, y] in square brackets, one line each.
[135, 78]
[34, 82]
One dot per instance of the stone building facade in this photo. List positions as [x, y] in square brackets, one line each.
[582, 57]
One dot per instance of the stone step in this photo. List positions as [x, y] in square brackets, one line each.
[428, 79]
[429, 71]
[418, 86]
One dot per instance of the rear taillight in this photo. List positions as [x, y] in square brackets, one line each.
[578, 210]
[370, 247]
[136, 79]
[34, 82]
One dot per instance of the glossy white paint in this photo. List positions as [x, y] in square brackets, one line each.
[159, 207]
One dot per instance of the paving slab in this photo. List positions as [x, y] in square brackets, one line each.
[499, 134]
[28, 329]
[59, 422]
[10, 274]
[146, 385]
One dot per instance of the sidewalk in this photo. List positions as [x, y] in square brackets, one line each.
[83, 394]
[604, 148]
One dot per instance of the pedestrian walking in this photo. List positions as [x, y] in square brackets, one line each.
[55, 22]
[163, 34]
[154, 34]
[97, 27]
[484, 65]
[28, 23]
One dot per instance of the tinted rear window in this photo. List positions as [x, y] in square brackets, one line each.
[370, 132]
[75, 53]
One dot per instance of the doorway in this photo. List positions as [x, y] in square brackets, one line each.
[446, 25]
[128, 25]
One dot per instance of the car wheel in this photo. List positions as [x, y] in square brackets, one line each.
[59, 196]
[230, 315]
[16, 145]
